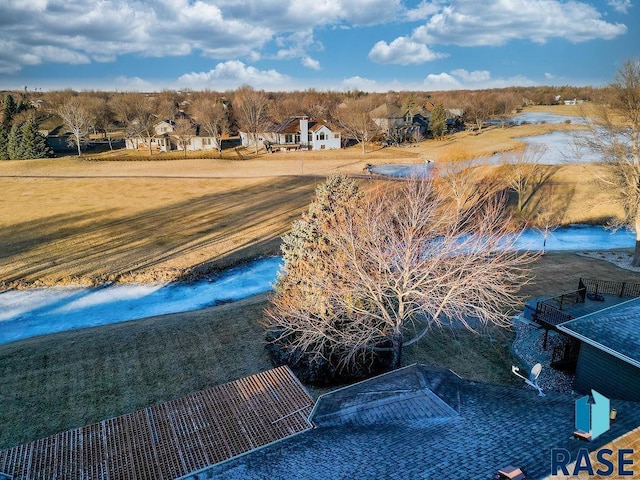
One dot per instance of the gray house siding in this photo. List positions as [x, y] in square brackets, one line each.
[606, 374]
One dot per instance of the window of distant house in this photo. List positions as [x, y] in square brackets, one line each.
[322, 147]
[310, 138]
[336, 135]
[288, 139]
[206, 141]
[322, 136]
[297, 139]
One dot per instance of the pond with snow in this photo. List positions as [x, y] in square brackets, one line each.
[28, 313]
[558, 147]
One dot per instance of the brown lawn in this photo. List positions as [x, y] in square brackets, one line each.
[70, 220]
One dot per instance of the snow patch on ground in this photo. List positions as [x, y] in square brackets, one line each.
[28, 313]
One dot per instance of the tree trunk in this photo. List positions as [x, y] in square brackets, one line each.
[396, 351]
[78, 144]
[364, 146]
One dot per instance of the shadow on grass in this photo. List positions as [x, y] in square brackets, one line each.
[99, 244]
[61, 381]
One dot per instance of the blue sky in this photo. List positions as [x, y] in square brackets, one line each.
[372, 45]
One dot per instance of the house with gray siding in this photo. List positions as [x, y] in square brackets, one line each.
[609, 357]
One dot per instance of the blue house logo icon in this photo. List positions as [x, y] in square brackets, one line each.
[592, 418]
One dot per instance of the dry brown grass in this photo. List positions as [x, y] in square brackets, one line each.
[573, 192]
[70, 220]
[91, 230]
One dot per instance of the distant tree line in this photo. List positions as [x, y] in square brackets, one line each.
[109, 115]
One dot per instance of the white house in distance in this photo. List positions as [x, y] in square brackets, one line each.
[295, 133]
[164, 141]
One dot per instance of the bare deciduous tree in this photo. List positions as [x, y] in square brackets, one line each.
[102, 115]
[505, 104]
[77, 120]
[524, 173]
[354, 117]
[401, 263]
[252, 111]
[212, 117]
[145, 118]
[465, 183]
[614, 134]
[183, 132]
[123, 106]
[477, 108]
[548, 212]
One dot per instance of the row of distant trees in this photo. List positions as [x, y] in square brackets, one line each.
[114, 114]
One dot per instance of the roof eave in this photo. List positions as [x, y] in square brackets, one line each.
[598, 345]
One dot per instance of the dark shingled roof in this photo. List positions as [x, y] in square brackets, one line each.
[363, 433]
[615, 330]
[292, 126]
[174, 438]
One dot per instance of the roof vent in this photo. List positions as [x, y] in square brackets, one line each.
[510, 473]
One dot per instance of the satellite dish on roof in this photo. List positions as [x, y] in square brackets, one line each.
[532, 381]
[535, 372]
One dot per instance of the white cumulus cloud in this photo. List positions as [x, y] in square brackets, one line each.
[621, 6]
[360, 83]
[461, 79]
[441, 81]
[133, 83]
[468, 23]
[84, 31]
[311, 63]
[473, 77]
[402, 51]
[232, 74]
